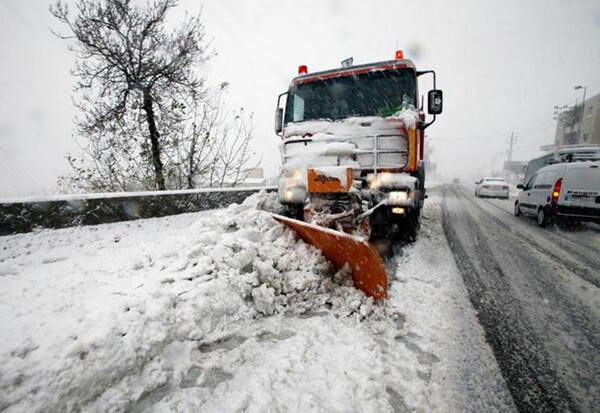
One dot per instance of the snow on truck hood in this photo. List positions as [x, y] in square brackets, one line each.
[352, 126]
[334, 144]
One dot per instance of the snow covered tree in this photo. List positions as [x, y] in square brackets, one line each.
[140, 99]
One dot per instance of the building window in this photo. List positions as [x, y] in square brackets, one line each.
[590, 109]
[585, 137]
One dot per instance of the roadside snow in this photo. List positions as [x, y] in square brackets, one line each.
[224, 311]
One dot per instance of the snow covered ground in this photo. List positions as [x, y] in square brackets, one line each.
[226, 311]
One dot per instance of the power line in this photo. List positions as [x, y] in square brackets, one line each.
[502, 135]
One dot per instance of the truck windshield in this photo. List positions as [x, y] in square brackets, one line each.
[377, 93]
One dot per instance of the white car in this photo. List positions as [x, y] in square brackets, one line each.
[563, 191]
[491, 187]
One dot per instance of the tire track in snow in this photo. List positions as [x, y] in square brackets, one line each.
[590, 260]
[563, 308]
[523, 362]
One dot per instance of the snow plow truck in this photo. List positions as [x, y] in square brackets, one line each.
[353, 171]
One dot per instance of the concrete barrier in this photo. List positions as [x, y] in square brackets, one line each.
[25, 215]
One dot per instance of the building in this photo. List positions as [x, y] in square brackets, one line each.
[569, 124]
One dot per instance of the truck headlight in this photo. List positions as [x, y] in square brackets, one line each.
[398, 211]
[295, 174]
[292, 186]
[398, 197]
[391, 181]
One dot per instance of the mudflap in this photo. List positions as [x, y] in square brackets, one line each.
[368, 270]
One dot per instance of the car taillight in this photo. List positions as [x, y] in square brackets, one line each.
[556, 192]
[505, 187]
[485, 186]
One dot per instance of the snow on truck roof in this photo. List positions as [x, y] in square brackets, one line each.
[355, 70]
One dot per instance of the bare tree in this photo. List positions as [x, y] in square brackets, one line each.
[128, 64]
[215, 148]
[115, 160]
[233, 152]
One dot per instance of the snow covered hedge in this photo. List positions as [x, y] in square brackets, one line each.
[26, 215]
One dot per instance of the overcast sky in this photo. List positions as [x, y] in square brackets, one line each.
[503, 66]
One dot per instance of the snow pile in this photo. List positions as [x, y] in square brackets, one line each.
[226, 311]
[105, 316]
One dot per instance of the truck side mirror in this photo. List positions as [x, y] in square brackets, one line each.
[434, 102]
[278, 120]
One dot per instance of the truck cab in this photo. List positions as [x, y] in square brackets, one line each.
[352, 145]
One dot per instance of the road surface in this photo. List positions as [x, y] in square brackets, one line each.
[536, 294]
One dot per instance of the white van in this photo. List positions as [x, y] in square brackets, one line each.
[563, 191]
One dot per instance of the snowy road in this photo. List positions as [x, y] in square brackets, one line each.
[536, 293]
[226, 311]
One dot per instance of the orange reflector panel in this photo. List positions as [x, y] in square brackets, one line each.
[319, 183]
[368, 271]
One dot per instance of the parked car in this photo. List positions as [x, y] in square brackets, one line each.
[569, 192]
[491, 187]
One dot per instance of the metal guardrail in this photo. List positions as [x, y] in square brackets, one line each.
[25, 215]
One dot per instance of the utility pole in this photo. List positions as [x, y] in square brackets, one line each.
[582, 112]
[511, 142]
[560, 115]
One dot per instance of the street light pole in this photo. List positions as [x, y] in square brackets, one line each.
[582, 112]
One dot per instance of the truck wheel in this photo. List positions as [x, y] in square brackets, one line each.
[381, 239]
[413, 226]
[381, 232]
[294, 211]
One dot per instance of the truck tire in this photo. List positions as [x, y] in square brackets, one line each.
[381, 232]
[413, 226]
[294, 211]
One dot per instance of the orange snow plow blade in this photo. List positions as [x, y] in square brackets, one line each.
[368, 271]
